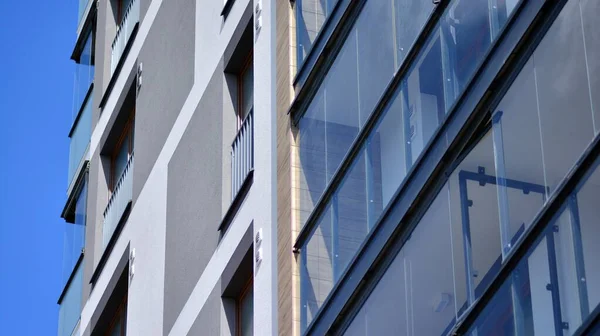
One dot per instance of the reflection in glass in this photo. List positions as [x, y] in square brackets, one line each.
[553, 289]
[438, 76]
[374, 49]
[310, 17]
[84, 74]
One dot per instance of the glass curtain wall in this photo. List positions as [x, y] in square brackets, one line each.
[434, 82]
[373, 51]
[459, 245]
[74, 242]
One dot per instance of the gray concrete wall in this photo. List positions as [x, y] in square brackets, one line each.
[208, 321]
[167, 58]
[106, 29]
[193, 200]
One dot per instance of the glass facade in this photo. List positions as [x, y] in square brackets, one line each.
[82, 6]
[80, 138]
[537, 132]
[450, 57]
[84, 74]
[74, 242]
[310, 17]
[74, 236]
[82, 106]
[373, 51]
[71, 304]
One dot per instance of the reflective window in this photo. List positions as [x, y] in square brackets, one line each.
[433, 83]
[80, 139]
[496, 191]
[70, 305]
[310, 17]
[84, 74]
[74, 237]
[374, 49]
[556, 285]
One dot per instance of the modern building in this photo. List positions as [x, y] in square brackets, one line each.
[343, 167]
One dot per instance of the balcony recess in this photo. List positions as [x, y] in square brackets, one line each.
[124, 32]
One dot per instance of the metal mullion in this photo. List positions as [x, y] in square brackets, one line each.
[579, 257]
[553, 286]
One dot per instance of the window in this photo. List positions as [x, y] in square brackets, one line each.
[118, 324]
[122, 154]
[245, 311]
[246, 90]
[310, 17]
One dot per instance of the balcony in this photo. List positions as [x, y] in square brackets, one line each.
[124, 32]
[242, 155]
[118, 202]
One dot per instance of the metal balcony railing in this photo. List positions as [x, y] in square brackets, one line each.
[242, 155]
[118, 202]
[124, 31]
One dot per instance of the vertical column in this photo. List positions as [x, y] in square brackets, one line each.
[265, 161]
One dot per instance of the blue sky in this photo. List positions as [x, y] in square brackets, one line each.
[36, 81]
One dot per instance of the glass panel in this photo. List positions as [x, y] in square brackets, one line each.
[247, 313]
[475, 224]
[341, 107]
[84, 75]
[518, 146]
[310, 17]
[409, 18]
[74, 239]
[374, 33]
[563, 94]
[82, 5]
[70, 306]
[317, 264]
[424, 90]
[311, 156]
[590, 12]
[80, 138]
[416, 296]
